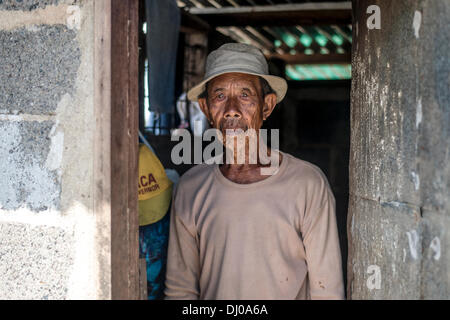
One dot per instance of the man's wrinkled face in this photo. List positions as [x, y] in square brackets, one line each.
[235, 101]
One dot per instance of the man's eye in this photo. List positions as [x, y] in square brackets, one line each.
[244, 94]
[220, 96]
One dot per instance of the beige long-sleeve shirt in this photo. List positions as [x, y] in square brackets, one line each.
[273, 239]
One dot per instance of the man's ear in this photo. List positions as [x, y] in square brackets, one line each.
[270, 101]
[204, 107]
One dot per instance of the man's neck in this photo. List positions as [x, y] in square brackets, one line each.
[247, 172]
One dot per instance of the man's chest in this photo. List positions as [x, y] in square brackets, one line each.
[244, 213]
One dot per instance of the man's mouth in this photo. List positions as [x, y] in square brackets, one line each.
[233, 127]
[234, 132]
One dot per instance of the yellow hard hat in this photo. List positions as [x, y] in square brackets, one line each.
[155, 189]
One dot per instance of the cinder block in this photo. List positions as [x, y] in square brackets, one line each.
[35, 261]
[436, 260]
[400, 100]
[37, 68]
[28, 5]
[25, 181]
[387, 236]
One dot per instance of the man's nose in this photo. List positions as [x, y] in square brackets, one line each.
[232, 110]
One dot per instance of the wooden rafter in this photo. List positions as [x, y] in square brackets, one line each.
[315, 13]
[300, 58]
[191, 23]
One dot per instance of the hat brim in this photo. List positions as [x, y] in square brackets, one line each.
[278, 84]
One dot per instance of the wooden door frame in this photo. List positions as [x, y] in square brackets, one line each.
[116, 143]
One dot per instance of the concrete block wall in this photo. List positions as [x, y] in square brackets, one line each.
[51, 245]
[399, 208]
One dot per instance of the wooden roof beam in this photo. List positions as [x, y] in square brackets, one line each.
[193, 24]
[311, 13]
[299, 58]
[241, 36]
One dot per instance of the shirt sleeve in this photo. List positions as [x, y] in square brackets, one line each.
[182, 273]
[321, 242]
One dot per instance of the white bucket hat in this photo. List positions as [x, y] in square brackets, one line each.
[242, 58]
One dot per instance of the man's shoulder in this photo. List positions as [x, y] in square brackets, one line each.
[195, 176]
[309, 179]
[304, 170]
[190, 191]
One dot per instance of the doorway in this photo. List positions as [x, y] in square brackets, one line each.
[308, 44]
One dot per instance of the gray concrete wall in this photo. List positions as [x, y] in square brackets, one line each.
[399, 208]
[51, 246]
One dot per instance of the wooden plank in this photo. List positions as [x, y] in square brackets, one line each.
[102, 141]
[132, 133]
[124, 150]
[142, 57]
[313, 58]
[321, 13]
[292, 7]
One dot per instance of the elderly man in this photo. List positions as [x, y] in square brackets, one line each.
[235, 232]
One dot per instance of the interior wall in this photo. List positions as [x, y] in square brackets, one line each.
[400, 154]
[52, 245]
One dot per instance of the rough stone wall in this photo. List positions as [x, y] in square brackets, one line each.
[399, 208]
[49, 240]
